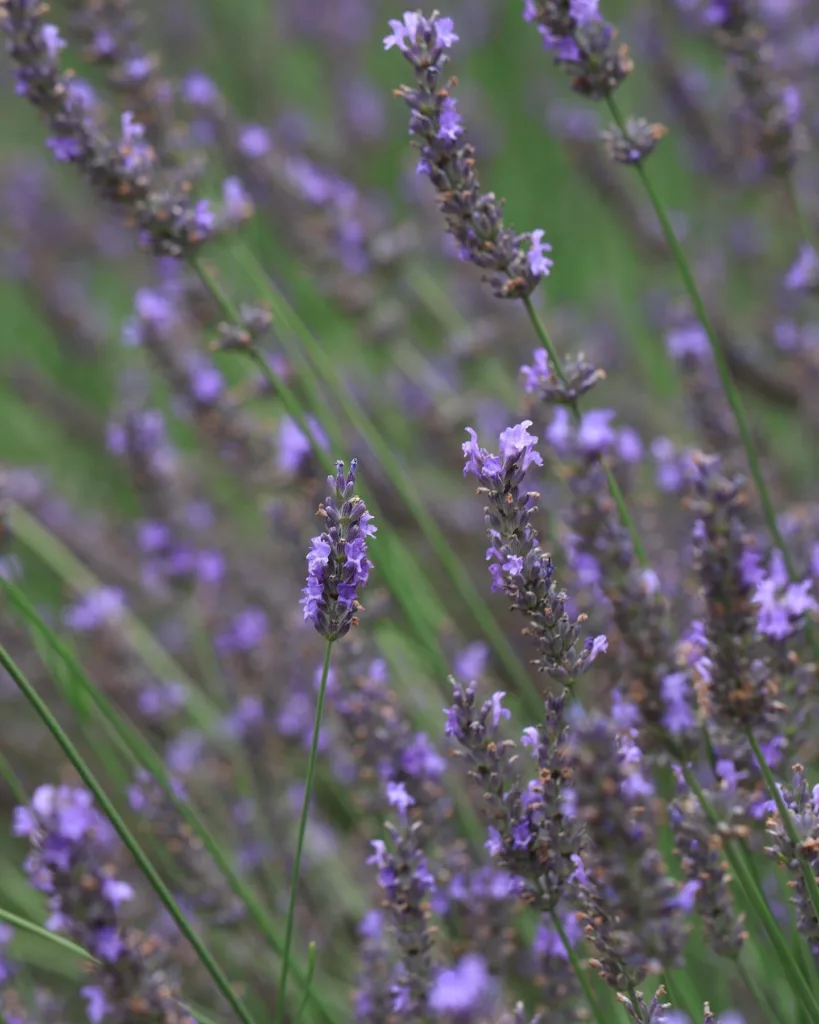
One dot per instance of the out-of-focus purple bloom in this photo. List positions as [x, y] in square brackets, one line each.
[461, 988]
[803, 275]
[98, 607]
[294, 446]
[688, 340]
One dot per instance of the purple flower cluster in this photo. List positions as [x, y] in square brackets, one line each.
[518, 566]
[71, 862]
[337, 563]
[635, 912]
[582, 42]
[514, 263]
[404, 875]
[125, 170]
[741, 684]
[529, 833]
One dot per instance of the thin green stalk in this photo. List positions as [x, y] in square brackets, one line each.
[311, 970]
[25, 925]
[803, 223]
[144, 754]
[611, 479]
[399, 479]
[787, 821]
[577, 967]
[12, 780]
[305, 814]
[146, 867]
[751, 983]
[720, 361]
[737, 860]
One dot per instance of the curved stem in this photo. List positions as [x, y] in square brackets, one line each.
[614, 487]
[146, 867]
[577, 967]
[720, 361]
[305, 814]
[736, 856]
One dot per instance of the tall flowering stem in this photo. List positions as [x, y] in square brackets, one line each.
[146, 867]
[720, 361]
[337, 568]
[518, 566]
[513, 263]
[569, 394]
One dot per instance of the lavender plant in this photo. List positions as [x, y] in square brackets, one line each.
[557, 863]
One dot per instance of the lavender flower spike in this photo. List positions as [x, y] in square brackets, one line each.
[71, 861]
[337, 562]
[514, 263]
[519, 568]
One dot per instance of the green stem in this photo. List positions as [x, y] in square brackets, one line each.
[787, 820]
[577, 967]
[720, 361]
[614, 487]
[737, 859]
[144, 755]
[305, 814]
[146, 867]
[311, 969]
[437, 540]
[749, 978]
[35, 929]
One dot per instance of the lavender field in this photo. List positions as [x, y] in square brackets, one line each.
[409, 512]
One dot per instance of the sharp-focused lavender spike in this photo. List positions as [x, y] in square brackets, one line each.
[124, 170]
[802, 801]
[703, 862]
[71, 863]
[773, 103]
[529, 833]
[514, 263]
[742, 687]
[337, 563]
[582, 42]
[635, 912]
[407, 882]
[519, 568]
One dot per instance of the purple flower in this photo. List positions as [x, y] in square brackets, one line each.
[688, 340]
[254, 141]
[539, 263]
[293, 444]
[461, 988]
[538, 373]
[337, 563]
[97, 608]
[804, 273]
[595, 433]
[398, 797]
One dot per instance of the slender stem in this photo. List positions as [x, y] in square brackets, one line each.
[311, 969]
[146, 867]
[305, 814]
[736, 858]
[400, 480]
[614, 487]
[726, 378]
[577, 967]
[289, 321]
[43, 933]
[751, 983]
[787, 821]
[803, 222]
